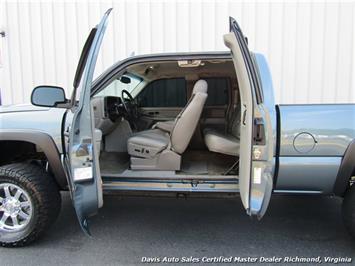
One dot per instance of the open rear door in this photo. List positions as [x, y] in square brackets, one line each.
[256, 137]
[81, 159]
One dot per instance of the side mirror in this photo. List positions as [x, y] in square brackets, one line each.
[48, 96]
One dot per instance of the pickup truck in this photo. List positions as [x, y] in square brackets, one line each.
[181, 124]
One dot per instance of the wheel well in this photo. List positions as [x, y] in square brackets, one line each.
[18, 151]
[346, 171]
[33, 145]
[21, 151]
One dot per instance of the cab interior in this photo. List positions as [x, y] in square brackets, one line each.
[179, 119]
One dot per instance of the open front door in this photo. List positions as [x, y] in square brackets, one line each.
[81, 159]
[256, 137]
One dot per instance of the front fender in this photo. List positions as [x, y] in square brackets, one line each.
[45, 143]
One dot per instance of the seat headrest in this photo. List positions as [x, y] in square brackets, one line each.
[200, 86]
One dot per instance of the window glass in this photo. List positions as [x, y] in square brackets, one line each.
[115, 88]
[164, 93]
[218, 89]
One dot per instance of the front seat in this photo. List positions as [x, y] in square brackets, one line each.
[159, 149]
[227, 142]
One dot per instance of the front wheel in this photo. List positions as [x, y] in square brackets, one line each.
[348, 210]
[29, 203]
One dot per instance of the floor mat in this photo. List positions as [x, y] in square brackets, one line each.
[113, 162]
[206, 162]
[195, 167]
[193, 163]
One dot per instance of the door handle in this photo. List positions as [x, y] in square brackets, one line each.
[153, 113]
[66, 132]
[244, 116]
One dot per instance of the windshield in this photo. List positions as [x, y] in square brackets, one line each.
[115, 87]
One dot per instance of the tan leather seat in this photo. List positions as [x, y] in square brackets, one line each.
[159, 149]
[148, 143]
[225, 142]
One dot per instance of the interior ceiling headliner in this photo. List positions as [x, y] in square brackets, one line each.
[169, 69]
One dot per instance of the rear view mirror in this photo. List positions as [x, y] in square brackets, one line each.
[125, 80]
[48, 96]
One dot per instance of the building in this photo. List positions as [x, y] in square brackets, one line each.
[310, 46]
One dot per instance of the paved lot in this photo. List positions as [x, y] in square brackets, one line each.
[128, 228]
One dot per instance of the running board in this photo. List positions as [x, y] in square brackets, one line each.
[182, 186]
[162, 175]
[186, 185]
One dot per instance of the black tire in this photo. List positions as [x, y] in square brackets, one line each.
[44, 195]
[348, 210]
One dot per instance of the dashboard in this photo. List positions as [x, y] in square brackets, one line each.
[107, 111]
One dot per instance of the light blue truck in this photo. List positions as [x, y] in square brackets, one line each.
[172, 124]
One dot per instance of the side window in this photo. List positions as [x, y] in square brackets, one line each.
[163, 93]
[218, 91]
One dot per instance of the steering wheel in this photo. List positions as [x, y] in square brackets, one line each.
[130, 106]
